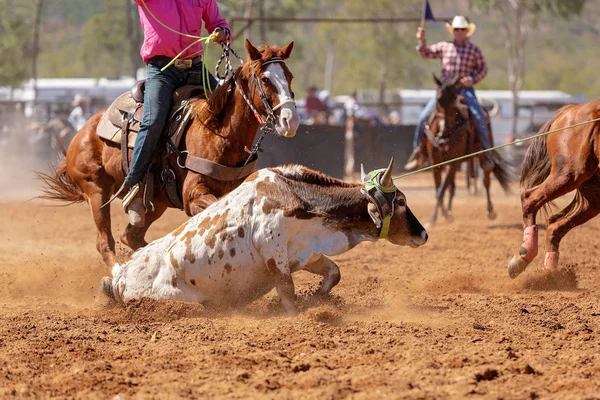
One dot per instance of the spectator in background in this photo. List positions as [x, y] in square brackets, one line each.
[314, 105]
[394, 118]
[360, 113]
[78, 115]
[326, 104]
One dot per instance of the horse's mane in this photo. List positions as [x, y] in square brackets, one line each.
[210, 111]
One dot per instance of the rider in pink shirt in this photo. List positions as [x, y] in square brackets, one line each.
[160, 46]
[184, 16]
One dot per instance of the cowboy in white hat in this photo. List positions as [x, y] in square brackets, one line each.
[463, 60]
[78, 116]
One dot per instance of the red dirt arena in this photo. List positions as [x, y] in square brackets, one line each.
[441, 321]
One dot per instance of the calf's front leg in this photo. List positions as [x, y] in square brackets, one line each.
[282, 277]
[328, 270]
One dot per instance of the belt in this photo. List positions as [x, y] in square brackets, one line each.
[180, 63]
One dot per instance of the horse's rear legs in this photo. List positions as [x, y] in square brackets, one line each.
[105, 243]
[490, 207]
[585, 206]
[555, 185]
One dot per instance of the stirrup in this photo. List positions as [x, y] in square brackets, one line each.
[130, 196]
[114, 196]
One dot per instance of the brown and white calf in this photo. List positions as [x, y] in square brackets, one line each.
[279, 221]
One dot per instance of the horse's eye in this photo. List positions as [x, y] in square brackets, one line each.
[401, 202]
[293, 95]
[265, 79]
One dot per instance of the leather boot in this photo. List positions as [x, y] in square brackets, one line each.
[415, 161]
[133, 204]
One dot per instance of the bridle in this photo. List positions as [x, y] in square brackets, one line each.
[440, 141]
[268, 123]
[270, 119]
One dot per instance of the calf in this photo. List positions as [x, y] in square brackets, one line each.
[279, 221]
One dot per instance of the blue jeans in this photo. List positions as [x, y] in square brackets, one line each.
[476, 113]
[158, 95]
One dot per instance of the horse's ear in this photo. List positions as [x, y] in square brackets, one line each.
[287, 50]
[437, 81]
[252, 51]
[454, 80]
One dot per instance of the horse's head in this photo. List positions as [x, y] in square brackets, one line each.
[270, 81]
[447, 92]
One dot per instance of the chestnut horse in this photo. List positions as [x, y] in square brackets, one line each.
[448, 131]
[555, 165]
[221, 130]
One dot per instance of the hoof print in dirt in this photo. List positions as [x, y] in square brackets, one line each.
[487, 375]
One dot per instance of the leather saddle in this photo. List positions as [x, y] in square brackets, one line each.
[125, 114]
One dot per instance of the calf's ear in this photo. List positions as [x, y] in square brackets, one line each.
[374, 214]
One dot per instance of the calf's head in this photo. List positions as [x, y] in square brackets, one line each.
[389, 211]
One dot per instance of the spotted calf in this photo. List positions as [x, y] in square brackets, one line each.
[279, 221]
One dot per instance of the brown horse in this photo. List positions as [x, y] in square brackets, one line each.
[554, 165]
[221, 130]
[448, 131]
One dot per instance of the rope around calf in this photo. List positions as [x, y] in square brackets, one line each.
[494, 148]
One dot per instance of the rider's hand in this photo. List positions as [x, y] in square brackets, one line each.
[220, 35]
[466, 81]
[421, 34]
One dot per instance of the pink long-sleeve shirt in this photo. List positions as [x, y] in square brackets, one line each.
[185, 16]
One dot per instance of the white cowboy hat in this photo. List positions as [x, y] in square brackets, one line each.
[463, 23]
[77, 100]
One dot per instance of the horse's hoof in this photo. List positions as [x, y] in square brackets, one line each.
[517, 265]
[449, 217]
[492, 215]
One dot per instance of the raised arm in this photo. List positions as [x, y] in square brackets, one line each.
[212, 17]
[427, 52]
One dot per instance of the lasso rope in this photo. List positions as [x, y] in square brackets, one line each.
[494, 148]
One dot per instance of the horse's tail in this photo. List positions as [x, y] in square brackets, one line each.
[536, 165]
[503, 171]
[59, 185]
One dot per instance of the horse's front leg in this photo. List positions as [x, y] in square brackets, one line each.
[134, 237]
[440, 195]
[449, 183]
[451, 191]
[196, 195]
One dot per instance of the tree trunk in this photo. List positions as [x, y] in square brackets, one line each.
[36, 46]
[328, 84]
[513, 13]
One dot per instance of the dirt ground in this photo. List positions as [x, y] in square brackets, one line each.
[442, 321]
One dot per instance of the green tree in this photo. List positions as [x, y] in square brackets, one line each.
[16, 41]
[516, 19]
[109, 39]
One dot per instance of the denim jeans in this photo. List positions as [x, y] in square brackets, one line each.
[158, 94]
[476, 113]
